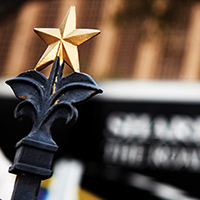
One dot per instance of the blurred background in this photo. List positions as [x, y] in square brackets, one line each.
[140, 39]
[140, 139]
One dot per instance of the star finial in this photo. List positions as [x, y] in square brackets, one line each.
[64, 42]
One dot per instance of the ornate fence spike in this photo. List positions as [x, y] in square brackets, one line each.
[47, 99]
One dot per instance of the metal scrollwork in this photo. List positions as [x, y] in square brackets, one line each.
[45, 100]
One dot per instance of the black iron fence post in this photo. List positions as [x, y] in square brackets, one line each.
[46, 100]
[26, 187]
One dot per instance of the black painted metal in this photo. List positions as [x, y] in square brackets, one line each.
[26, 187]
[44, 100]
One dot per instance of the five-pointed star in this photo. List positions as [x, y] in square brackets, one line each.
[64, 41]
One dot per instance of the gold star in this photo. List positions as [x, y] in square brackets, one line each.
[64, 42]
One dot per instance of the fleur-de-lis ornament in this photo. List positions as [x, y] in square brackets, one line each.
[47, 99]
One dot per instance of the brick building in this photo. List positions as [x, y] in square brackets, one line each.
[136, 47]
